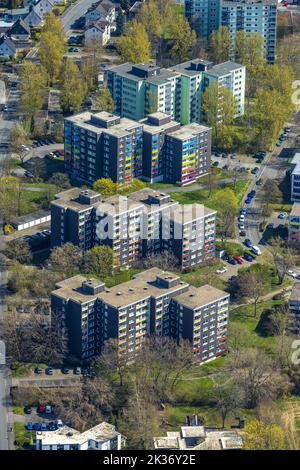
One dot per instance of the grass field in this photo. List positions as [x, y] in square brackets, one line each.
[205, 275]
[201, 196]
[34, 200]
[23, 438]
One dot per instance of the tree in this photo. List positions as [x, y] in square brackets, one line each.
[227, 397]
[212, 180]
[51, 52]
[149, 16]
[284, 258]
[271, 193]
[66, 259]
[218, 107]
[99, 261]
[61, 180]
[18, 250]
[227, 212]
[52, 24]
[183, 39]
[19, 138]
[260, 436]
[110, 361]
[105, 186]
[73, 89]
[103, 101]
[257, 375]
[252, 284]
[164, 260]
[10, 197]
[120, 21]
[249, 49]
[288, 53]
[219, 45]
[32, 82]
[134, 46]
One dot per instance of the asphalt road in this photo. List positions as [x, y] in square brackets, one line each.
[274, 167]
[74, 12]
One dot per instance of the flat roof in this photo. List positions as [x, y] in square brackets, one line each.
[23, 219]
[186, 213]
[224, 69]
[188, 131]
[66, 435]
[198, 296]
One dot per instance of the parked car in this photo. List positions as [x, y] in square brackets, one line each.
[244, 210]
[256, 250]
[77, 370]
[48, 409]
[242, 233]
[248, 200]
[255, 170]
[43, 427]
[291, 273]
[239, 259]
[29, 426]
[241, 226]
[232, 261]
[52, 426]
[41, 409]
[248, 243]
[27, 409]
[49, 371]
[216, 164]
[259, 182]
[252, 193]
[65, 370]
[49, 157]
[270, 226]
[38, 370]
[59, 423]
[248, 257]
[221, 270]
[282, 215]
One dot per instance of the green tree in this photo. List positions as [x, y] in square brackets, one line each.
[51, 52]
[52, 24]
[250, 49]
[183, 39]
[219, 45]
[99, 261]
[10, 197]
[149, 16]
[218, 107]
[105, 186]
[103, 101]
[73, 89]
[32, 82]
[260, 436]
[134, 45]
[226, 213]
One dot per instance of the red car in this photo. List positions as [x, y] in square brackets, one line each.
[239, 259]
[41, 409]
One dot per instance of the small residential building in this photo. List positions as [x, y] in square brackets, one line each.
[101, 437]
[16, 14]
[20, 31]
[295, 178]
[4, 27]
[98, 31]
[294, 309]
[7, 47]
[31, 220]
[294, 223]
[154, 302]
[104, 10]
[143, 223]
[33, 19]
[199, 438]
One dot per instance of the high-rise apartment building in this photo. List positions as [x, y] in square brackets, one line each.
[154, 302]
[251, 16]
[143, 223]
[139, 90]
[103, 145]
[295, 178]
[294, 223]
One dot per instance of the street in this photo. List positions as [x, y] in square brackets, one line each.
[74, 12]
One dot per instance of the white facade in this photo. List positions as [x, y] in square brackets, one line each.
[101, 437]
[295, 178]
[104, 11]
[98, 32]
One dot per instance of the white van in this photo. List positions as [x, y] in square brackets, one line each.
[256, 250]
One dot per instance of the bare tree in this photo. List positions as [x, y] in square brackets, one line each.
[228, 397]
[252, 285]
[284, 258]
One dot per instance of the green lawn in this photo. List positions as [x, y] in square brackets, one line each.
[201, 196]
[18, 410]
[34, 200]
[205, 275]
[23, 438]
[21, 369]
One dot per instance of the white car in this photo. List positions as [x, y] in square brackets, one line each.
[282, 215]
[291, 273]
[242, 217]
[241, 226]
[256, 250]
[221, 270]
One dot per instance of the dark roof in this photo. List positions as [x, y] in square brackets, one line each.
[19, 27]
[8, 41]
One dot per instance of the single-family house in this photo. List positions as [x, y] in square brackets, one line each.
[4, 27]
[16, 14]
[20, 31]
[33, 19]
[42, 7]
[105, 10]
[7, 47]
[99, 31]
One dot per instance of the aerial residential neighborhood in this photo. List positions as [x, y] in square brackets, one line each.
[150, 227]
